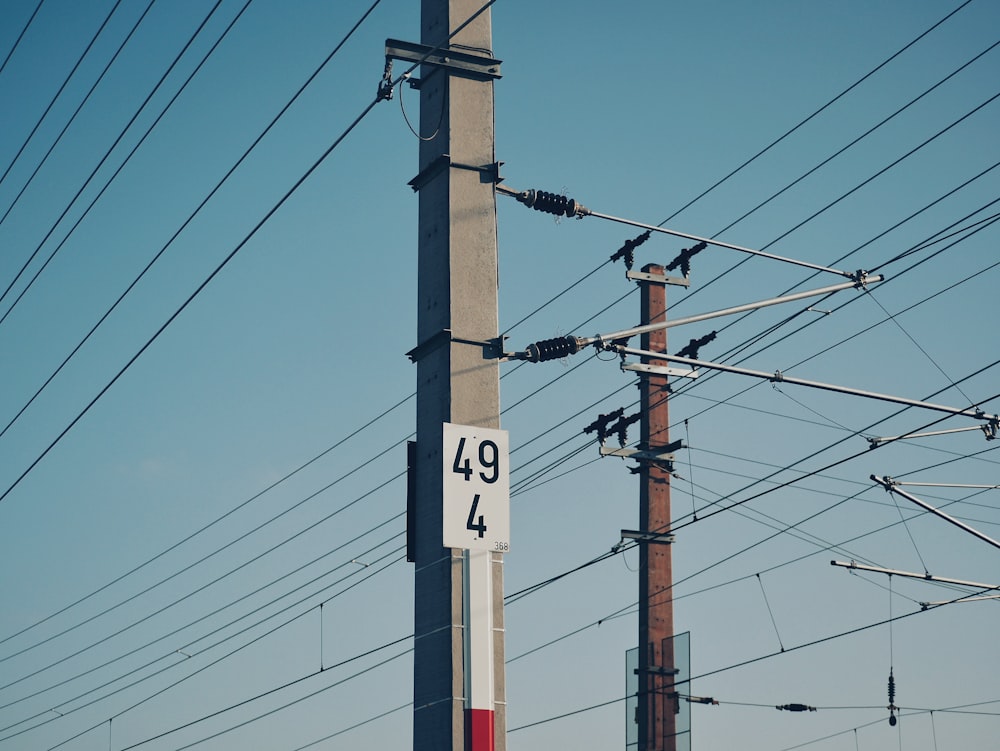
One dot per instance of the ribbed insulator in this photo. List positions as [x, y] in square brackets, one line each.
[550, 203]
[892, 689]
[552, 349]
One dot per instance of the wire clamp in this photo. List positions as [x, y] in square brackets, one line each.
[385, 85]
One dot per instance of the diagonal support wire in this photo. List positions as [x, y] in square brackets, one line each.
[770, 612]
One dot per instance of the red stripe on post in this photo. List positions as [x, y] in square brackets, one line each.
[479, 729]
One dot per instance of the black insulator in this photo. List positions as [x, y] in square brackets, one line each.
[552, 349]
[692, 347]
[621, 427]
[892, 689]
[627, 251]
[796, 708]
[684, 259]
[601, 423]
[550, 203]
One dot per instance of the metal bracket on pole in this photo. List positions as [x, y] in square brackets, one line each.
[460, 62]
[666, 370]
[664, 454]
[490, 173]
[654, 537]
[492, 348]
[642, 276]
[656, 670]
[648, 456]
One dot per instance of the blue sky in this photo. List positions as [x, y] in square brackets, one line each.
[298, 344]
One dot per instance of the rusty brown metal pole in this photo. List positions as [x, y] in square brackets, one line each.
[657, 698]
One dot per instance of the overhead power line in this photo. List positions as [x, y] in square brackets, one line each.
[70, 121]
[52, 102]
[20, 36]
[107, 155]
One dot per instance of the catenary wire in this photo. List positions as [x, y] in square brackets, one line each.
[225, 261]
[826, 106]
[301, 467]
[751, 661]
[200, 588]
[261, 636]
[20, 36]
[219, 267]
[483, 8]
[71, 120]
[773, 144]
[90, 177]
[212, 523]
[66, 81]
[216, 611]
[191, 216]
[94, 700]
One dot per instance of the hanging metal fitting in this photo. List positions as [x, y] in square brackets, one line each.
[385, 85]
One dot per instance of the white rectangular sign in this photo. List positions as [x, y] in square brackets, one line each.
[476, 488]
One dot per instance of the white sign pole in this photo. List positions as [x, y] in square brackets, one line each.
[476, 518]
[479, 698]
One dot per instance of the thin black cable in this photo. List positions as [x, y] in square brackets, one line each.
[556, 297]
[232, 254]
[864, 135]
[633, 607]
[223, 640]
[215, 662]
[72, 119]
[21, 35]
[295, 186]
[191, 216]
[211, 523]
[216, 630]
[804, 645]
[910, 268]
[918, 212]
[219, 549]
[832, 101]
[52, 102]
[900, 256]
[264, 714]
[828, 206]
[735, 504]
[201, 588]
[914, 342]
[94, 172]
[741, 348]
[355, 726]
[729, 226]
[770, 612]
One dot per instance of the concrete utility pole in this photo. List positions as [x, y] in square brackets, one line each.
[657, 721]
[457, 381]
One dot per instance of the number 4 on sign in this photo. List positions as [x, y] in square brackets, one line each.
[479, 526]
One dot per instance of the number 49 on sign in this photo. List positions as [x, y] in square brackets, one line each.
[476, 488]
